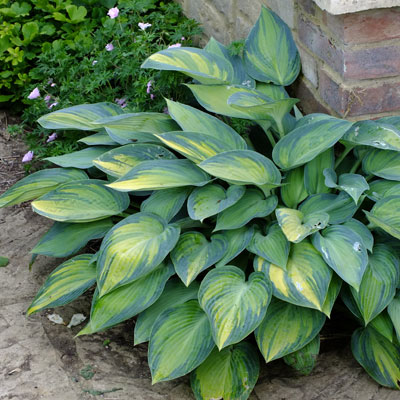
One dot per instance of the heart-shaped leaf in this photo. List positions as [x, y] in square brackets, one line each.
[161, 174]
[378, 188]
[38, 184]
[212, 199]
[385, 214]
[238, 240]
[127, 301]
[193, 120]
[314, 180]
[98, 139]
[179, 342]
[234, 307]
[344, 251]
[64, 239]
[378, 285]
[132, 249]
[82, 159]
[382, 163]
[296, 226]
[81, 201]
[274, 247]
[306, 142]
[353, 184]
[379, 357]
[287, 328]
[304, 282]
[66, 283]
[230, 373]
[252, 204]
[117, 162]
[382, 324]
[362, 231]
[243, 167]
[270, 53]
[293, 191]
[174, 294]
[166, 203]
[375, 134]
[194, 253]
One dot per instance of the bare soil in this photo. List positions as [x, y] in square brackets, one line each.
[42, 360]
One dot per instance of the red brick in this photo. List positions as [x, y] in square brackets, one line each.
[358, 100]
[367, 26]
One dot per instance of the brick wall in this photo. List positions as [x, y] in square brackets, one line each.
[350, 62]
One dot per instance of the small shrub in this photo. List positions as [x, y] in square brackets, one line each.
[208, 238]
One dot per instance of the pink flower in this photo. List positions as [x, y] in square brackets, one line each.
[183, 38]
[121, 102]
[94, 62]
[113, 12]
[152, 96]
[53, 104]
[148, 87]
[34, 94]
[52, 137]
[174, 45]
[143, 25]
[28, 156]
[53, 84]
[47, 98]
[109, 47]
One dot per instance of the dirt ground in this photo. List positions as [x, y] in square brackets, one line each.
[42, 360]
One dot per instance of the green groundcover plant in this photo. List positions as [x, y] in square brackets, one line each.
[225, 248]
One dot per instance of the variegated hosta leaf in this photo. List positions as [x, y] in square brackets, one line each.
[214, 98]
[378, 188]
[64, 239]
[331, 296]
[230, 373]
[179, 342]
[234, 307]
[385, 214]
[166, 203]
[375, 134]
[132, 249]
[382, 324]
[194, 253]
[378, 285]
[362, 231]
[240, 75]
[82, 159]
[311, 119]
[382, 163]
[38, 184]
[340, 208]
[393, 120]
[348, 300]
[81, 201]
[305, 281]
[293, 191]
[238, 240]
[127, 301]
[205, 67]
[287, 328]
[304, 360]
[308, 141]
[379, 357]
[314, 180]
[270, 53]
[393, 191]
[353, 184]
[66, 283]
[296, 226]
[243, 167]
[274, 247]
[79, 117]
[98, 139]
[174, 294]
[253, 204]
[394, 313]
[212, 199]
[130, 127]
[117, 162]
[161, 174]
[193, 120]
[261, 107]
[344, 251]
[195, 146]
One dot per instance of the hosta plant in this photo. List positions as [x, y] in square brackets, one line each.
[226, 248]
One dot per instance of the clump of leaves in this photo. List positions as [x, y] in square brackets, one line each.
[208, 240]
